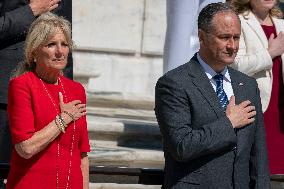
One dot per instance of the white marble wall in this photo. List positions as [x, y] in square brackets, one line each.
[119, 44]
[154, 27]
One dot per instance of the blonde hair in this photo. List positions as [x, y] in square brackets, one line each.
[243, 7]
[40, 32]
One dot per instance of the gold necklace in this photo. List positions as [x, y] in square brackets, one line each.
[58, 140]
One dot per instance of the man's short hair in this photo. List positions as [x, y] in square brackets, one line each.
[208, 12]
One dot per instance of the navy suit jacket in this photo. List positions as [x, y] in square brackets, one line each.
[201, 148]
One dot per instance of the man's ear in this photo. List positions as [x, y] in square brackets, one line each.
[201, 36]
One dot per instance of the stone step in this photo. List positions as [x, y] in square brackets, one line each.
[111, 131]
[124, 136]
[126, 157]
[119, 100]
[138, 114]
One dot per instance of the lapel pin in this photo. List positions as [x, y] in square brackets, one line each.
[241, 84]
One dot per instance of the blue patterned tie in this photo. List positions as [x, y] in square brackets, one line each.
[220, 91]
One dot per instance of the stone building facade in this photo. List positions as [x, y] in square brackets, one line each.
[119, 46]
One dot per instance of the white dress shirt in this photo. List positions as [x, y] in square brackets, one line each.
[227, 84]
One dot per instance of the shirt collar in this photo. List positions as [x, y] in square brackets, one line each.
[210, 72]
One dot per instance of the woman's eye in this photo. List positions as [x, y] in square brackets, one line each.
[50, 44]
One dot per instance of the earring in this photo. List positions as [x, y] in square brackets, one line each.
[34, 59]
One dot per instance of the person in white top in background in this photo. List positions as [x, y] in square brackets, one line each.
[181, 40]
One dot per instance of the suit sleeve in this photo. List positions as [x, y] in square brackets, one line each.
[259, 171]
[15, 23]
[184, 143]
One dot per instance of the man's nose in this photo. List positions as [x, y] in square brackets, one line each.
[231, 43]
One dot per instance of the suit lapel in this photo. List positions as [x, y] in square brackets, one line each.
[201, 81]
[238, 86]
[256, 27]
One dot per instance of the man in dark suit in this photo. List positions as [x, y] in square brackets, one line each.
[15, 19]
[211, 142]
